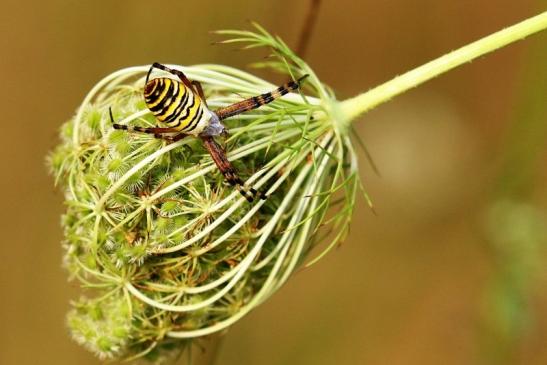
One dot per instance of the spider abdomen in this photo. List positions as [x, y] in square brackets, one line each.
[176, 106]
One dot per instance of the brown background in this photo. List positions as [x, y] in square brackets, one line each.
[408, 285]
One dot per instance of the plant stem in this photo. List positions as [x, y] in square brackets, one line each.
[307, 29]
[354, 107]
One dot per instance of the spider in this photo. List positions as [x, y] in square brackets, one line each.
[181, 106]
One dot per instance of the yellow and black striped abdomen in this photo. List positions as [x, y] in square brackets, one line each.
[174, 104]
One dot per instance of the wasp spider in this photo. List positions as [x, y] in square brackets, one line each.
[181, 108]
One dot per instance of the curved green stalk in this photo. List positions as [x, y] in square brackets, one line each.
[356, 106]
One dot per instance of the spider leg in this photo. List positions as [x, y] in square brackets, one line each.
[148, 74]
[156, 131]
[258, 101]
[199, 89]
[175, 138]
[177, 73]
[227, 169]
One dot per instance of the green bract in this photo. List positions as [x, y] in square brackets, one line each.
[165, 248]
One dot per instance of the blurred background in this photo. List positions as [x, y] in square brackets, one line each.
[449, 271]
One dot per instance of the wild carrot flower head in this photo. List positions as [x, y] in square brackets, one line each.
[165, 249]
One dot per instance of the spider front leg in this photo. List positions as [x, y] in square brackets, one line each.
[259, 100]
[227, 169]
[156, 131]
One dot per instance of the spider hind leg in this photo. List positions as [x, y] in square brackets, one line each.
[172, 71]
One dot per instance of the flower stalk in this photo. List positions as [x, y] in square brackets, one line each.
[360, 104]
